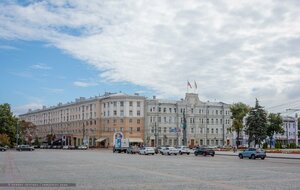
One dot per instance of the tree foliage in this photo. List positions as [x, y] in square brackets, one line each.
[238, 111]
[274, 126]
[256, 124]
[4, 140]
[28, 131]
[8, 122]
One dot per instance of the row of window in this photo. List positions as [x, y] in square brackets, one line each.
[192, 111]
[191, 130]
[115, 113]
[190, 120]
[121, 104]
[114, 121]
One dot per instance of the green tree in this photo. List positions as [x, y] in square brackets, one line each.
[8, 122]
[275, 123]
[256, 124]
[238, 111]
[4, 140]
[28, 131]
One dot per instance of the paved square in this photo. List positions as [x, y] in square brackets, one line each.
[102, 169]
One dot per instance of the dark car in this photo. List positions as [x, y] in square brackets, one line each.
[204, 151]
[3, 148]
[253, 153]
[25, 148]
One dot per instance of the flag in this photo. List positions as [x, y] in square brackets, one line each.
[195, 84]
[189, 84]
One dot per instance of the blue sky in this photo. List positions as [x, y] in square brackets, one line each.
[56, 51]
[35, 74]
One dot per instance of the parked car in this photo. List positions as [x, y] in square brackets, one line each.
[184, 150]
[169, 151]
[83, 147]
[147, 150]
[66, 147]
[132, 150]
[25, 148]
[253, 153]
[2, 149]
[204, 151]
[159, 149]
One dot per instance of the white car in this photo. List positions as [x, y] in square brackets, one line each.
[169, 151]
[82, 147]
[184, 150]
[147, 150]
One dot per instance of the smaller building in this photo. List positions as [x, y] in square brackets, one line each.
[290, 126]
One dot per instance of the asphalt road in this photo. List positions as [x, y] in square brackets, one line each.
[102, 169]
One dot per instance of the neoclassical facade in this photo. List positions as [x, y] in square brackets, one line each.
[91, 121]
[207, 122]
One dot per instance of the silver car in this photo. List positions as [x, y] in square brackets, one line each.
[147, 150]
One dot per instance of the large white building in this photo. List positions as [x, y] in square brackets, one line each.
[207, 122]
[290, 127]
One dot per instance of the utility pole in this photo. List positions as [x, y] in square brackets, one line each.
[184, 129]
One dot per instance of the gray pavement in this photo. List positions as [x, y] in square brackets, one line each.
[269, 155]
[102, 169]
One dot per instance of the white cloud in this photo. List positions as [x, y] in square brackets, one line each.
[228, 47]
[40, 67]
[84, 84]
[6, 47]
[54, 90]
[24, 108]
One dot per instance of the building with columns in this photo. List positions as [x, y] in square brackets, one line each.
[207, 122]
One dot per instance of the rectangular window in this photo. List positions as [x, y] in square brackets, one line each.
[138, 129]
[192, 130]
[130, 113]
[165, 110]
[159, 129]
[138, 121]
[212, 131]
[207, 130]
[159, 109]
[165, 129]
[170, 110]
[130, 103]
[122, 104]
[115, 112]
[122, 113]
[138, 113]
[138, 104]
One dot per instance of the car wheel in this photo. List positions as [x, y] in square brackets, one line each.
[252, 157]
[204, 154]
[168, 153]
[196, 154]
[263, 158]
[188, 153]
[213, 155]
[240, 156]
[152, 153]
[175, 154]
[180, 153]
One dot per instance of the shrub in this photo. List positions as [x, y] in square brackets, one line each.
[265, 145]
[292, 145]
[278, 145]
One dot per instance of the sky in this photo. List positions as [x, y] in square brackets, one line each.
[236, 51]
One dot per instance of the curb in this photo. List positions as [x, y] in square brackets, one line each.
[266, 157]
